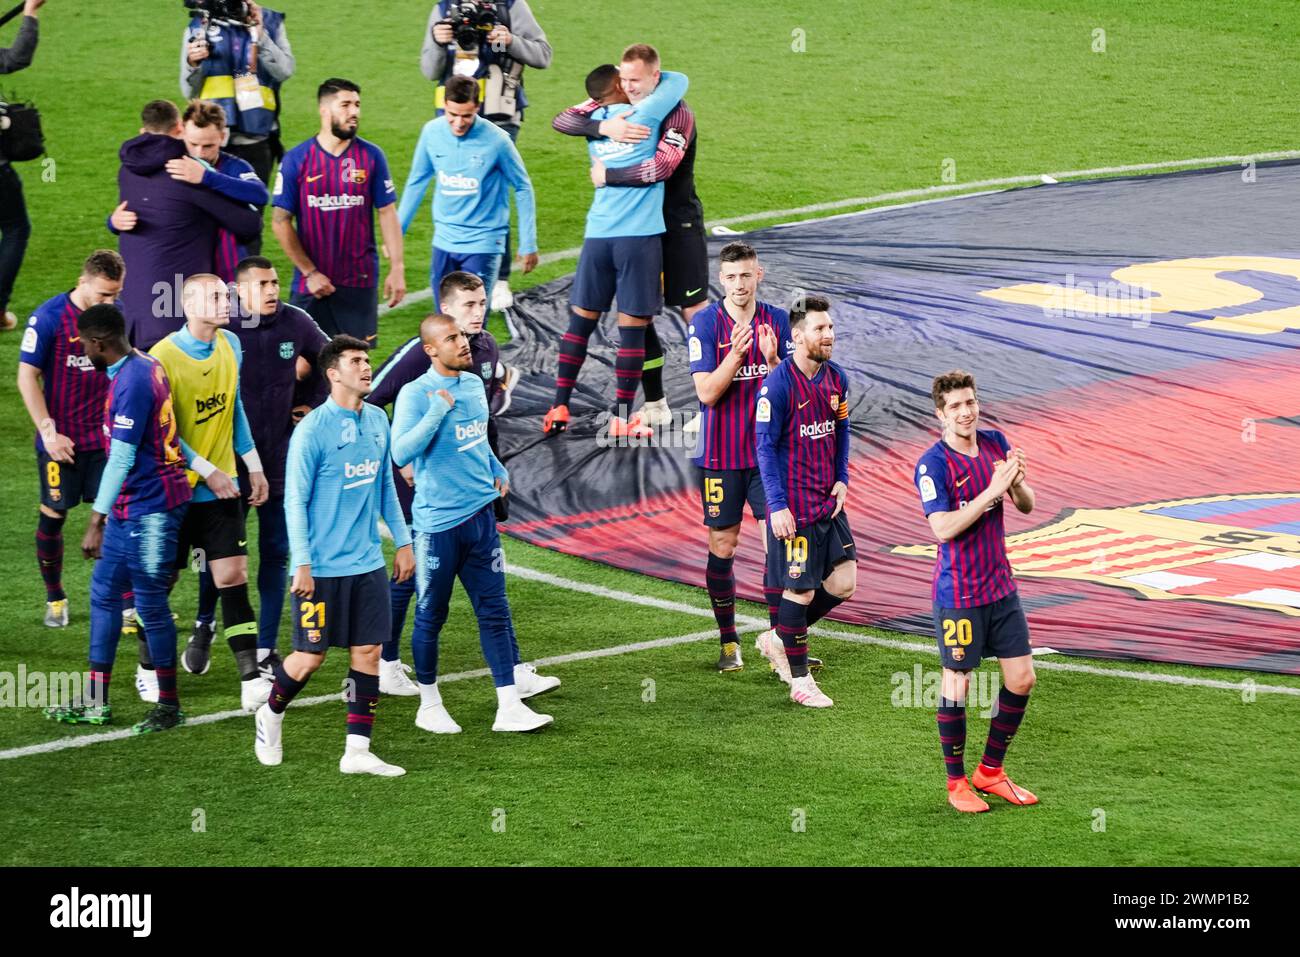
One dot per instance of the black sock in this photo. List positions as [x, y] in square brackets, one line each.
[627, 369]
[283, 689]
[49, 554]
[100, 674]
[240, 626]
[952, 737]
[792, 627]
[823, 603]
[721, 583]
[573, 352]
[1011, 710]
[773, 597]
[652, 369]
[362, 702]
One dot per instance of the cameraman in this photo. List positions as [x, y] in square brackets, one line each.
[15, 227]
[497, 62]
[240, 65]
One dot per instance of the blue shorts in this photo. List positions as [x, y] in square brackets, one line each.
[724, 492]
[629, 268]
[347, 311]
[807, 560]
[484, 265]
[966, 635]
[343, 612]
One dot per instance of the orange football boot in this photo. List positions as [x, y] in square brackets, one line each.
[557, 419]
[632, 428]
[995, 781]
[963, 798]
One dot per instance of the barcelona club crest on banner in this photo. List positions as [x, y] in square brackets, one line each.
[1232, 549]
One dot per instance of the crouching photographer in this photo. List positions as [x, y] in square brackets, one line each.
[15, 227]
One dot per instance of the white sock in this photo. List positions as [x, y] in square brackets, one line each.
[358, 742]
[430, 695]
[507, 696]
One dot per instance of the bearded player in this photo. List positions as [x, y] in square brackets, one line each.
[962, 480]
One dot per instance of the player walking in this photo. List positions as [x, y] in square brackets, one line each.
[962, 479]
[338, 484]
[802, 423]
[145, 489]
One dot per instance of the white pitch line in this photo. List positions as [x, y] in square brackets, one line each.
[939, 191]
[102, 737]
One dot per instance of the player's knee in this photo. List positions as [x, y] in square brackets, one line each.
[723, 541]
[843, 583]
[52, 513]
[303, 663]
[1023, 682]
[367, 656]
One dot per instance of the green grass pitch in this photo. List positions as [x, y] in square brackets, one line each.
[654, 757]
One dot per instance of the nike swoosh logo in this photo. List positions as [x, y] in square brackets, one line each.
[312, 179]
[243, 543]
[691, 292]
[963, 480]
[803, 403]
[207, 371]
[74, 338]
[723, 345]
[344, 445]
[136, 534]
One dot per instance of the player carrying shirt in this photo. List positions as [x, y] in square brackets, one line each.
[802, 424]
[202, 360]
[622, 254]
[732, 345]
[440, 424]
[144, 487]
[64, 394]
[476, 166]
[686, 257]
[338, 486]
[332, 184]
[278, 347]
[962, 479]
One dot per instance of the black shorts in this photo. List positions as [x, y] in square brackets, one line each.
[966, 635]
[686, 264]
[343, 612]
[347, 311]
[808, 559]
[65, 486]
[214, 529]
[724, 492]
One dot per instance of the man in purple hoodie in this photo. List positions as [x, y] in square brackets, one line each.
[175, 233]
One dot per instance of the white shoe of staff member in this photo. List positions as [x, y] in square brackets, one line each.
[514, 715]
[528, 682]
[393, 680]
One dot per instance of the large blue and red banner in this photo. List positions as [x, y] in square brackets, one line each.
[1136, 337]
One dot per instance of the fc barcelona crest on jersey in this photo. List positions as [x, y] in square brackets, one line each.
[356, 175]
[485, 371]
[1230, 549]
[286, 350]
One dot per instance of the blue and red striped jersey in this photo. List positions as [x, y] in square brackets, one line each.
[727, 427]
[74, 390]
[139, 412]
[971, 569]
[802, 439]
[334, 198]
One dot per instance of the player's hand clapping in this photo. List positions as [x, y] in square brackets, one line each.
[1004, 475]
[403, 563]
[1021, 464]
[222, 485]
[186, 169]
[783, 526]
[123, 219]
[768, 345]
[303, 586]
[261, 489]
[742, 337]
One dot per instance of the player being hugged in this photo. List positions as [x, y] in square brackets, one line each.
[802, 438]
[962, 479]
[337, 486]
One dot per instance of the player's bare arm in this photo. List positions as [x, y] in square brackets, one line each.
[59, 446]
[318, 284]
[391, 229]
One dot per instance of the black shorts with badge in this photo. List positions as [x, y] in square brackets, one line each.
[967, 635]
[807, 560]
[686, 263]
[217, 527]
[65, 486]
[724, 492]
[343, 612]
